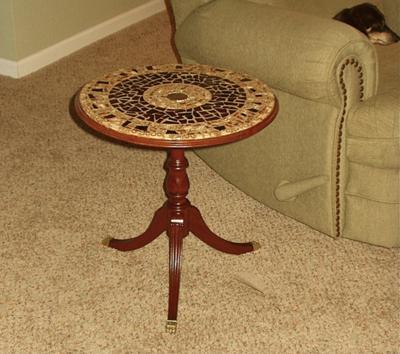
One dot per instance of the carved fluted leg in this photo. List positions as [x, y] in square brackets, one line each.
[175, 248]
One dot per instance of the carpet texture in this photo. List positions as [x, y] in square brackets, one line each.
[63, 189]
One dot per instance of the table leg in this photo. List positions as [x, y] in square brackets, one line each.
[175, 248]
[199, 228]
[157, 226]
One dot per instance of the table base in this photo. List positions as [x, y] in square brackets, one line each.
[177, 217]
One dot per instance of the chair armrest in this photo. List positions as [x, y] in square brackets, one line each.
[294, 52]
[182, 8]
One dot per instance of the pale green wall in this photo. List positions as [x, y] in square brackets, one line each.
[38, 24]
[7, 30]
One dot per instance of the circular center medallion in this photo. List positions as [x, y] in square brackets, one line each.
[177, 96]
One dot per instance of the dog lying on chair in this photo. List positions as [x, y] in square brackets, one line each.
[369, 20]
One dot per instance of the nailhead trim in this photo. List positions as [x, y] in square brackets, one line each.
[357, 65]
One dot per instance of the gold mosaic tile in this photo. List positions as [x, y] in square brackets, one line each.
[177, 102]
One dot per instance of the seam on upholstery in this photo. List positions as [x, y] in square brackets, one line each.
[339, 148]
[361, 196]
[367, 164]
[365, 138]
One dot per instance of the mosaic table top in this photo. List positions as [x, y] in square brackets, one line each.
[177, 105]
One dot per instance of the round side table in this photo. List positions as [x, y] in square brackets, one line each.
[175, 107]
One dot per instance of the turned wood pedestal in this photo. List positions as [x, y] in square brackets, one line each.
[176, 107]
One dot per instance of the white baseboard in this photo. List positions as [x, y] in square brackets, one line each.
[8, 68]
[34, 62]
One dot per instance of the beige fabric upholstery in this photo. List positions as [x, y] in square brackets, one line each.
[317, 55]
[391, 9]
[331, 159]
[182, 9]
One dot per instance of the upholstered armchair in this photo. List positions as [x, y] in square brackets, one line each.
[331, 158]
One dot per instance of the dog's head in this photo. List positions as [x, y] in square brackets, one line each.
[369, 20]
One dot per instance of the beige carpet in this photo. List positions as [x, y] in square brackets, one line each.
[63, 190]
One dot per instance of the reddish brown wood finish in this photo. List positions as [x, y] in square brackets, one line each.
[175, 235]
[199, 228]
[178, 217]
[164, 143]
[157, 226]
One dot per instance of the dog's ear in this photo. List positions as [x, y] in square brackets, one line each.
[352, 18]
[347, 16]
[342, 15]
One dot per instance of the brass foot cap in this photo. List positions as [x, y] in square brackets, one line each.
[256, 246]
[106, 241]
[171, 327]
